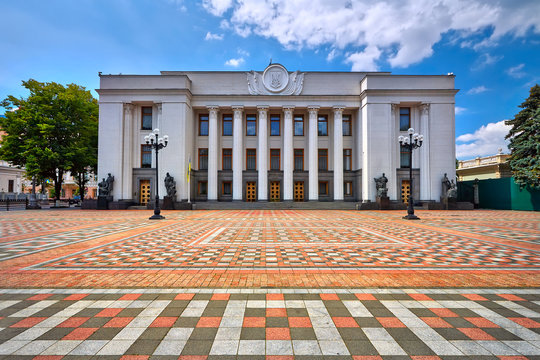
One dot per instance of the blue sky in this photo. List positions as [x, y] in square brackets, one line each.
[493, 47]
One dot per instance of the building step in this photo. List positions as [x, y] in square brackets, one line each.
[266, 205]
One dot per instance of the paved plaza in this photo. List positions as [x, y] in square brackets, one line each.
[273, 284]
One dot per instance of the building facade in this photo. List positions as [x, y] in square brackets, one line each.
[275, 135]
[488, 167]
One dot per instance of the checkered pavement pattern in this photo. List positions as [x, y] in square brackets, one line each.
[358, 324]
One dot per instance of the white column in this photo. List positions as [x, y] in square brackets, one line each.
[338, 152]
[213, 152]
[288, 155]
[313, 158]
[262, 153]
[425, 170]
[237, 152]
[127, 164]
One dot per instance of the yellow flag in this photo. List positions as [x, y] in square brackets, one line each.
[189, 170]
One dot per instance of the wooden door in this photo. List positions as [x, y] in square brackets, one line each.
[275, 191]
[299, 191]
[405, 191]
[144, 190]
[251, 191]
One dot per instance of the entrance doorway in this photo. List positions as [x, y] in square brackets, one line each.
[405, 191]
[274, 191]
[251, 191]
[299, 191]
[144, 190]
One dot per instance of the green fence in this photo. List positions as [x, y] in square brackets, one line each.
[502, 194]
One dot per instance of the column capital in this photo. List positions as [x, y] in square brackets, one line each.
[263, 109]
[159, 107]
[424, 108]
[313, 109]
[237, 107]
[128, 108]
[338, 108]
[394, 107]
[289, 108]
[213, 108]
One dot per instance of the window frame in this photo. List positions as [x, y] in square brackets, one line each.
[319, 159]
[223, 158]
[278, 156]
[143, 146]
[199, 187]
[223, 187]
[254, 119]
[207, 121]
[347, 119]
[199, 159]
[298, 119]
[151, 117]
[322, 119]
[347, 159]
[273, 119]
[345, 188]
[404, 150]
[255, 157]
[226, 118]
[294, 159]
[326, 188]
[409, 115]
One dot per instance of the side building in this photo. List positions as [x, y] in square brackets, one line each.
[276, 135]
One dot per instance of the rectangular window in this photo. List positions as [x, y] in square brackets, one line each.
[323, 159]
[274, 125]
[404, 118]
[299, 159]
[202, 188]
[274, 159]
[227, 125]
[146, 112]
[404, 157]
[226, 159]
[298, 126]
[251, 125]
[323, 187]
[146, 156]
[203, 125]
[11, 186]
[347, 125]
[347, 188]
[322, 126]
[347, 159]
[203, 159]
[251, 159]
[226, 188]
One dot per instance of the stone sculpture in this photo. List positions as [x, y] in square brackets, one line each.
[380, 184]
[170, 186]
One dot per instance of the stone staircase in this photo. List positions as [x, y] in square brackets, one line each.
[266, 205]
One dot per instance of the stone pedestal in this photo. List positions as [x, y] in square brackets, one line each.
[103, 202]
[167, 204]
[383, 202]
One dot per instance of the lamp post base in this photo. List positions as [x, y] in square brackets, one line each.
[156, 217]
[411, 217]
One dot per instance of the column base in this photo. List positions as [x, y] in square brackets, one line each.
[156, 217]
[411, 217]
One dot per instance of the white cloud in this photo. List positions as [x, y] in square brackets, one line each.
[516, 71]
[477, 90]
[331, 55]
[483, 142]
[210, 36]
[235, 62]
[460, 110]
[217, 7]
[179, 4]
[242, 52]
[370, 32]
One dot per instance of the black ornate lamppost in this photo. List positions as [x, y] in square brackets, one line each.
[157, 144]
[411, 142]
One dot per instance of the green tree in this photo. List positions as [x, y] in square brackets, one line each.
[50, 132]
[525, 141]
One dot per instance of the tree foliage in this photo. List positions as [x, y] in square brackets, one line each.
[525, 141]
[52, 131]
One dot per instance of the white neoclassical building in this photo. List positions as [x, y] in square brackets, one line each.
[276, 135]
